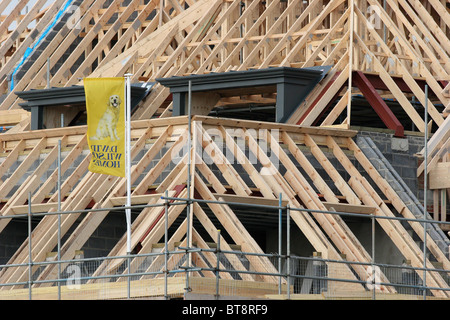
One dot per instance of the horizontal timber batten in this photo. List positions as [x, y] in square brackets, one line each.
[148, 289]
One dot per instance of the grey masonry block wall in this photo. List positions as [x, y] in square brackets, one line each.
[403, 158]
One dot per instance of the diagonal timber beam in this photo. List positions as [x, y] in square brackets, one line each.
[395, 90]
[405, 73]
[377, 103]
[333, 225]
[236, 230]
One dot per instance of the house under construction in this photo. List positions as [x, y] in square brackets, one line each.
[280, 149]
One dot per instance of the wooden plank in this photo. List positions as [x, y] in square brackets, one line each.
[97, 194]
[210, 257]
[30, 184]
[209, 175]
[444, 207]
[269, 170]
[224, 165]
[309, 169]
[331, 224]
[154, 172]
[437, 144]
[11, 117]
[327, 39]
[422, 41]
[147, 288]
[244, 39]
[435, 159]
[159, 260]
[21, 193]
[349, 208]
[337, 110]
[171, 178]
[47, 221]
[318, 20]
[27, 41]
[35, 208]
[52, 180]
[44, 238]
[22, 23]
[12, 157]
[322, 87]
[103, 42]
[149, 42]
[22, 168]
[298, 22]
[332, 172]
[439, 176]
[439, 42]
[130, 32]
[250, 200]
[241, 158]
[167, 70]
[291, 128]
[135, 199]
[270, 31]
[436, 204]
[57, 47]
[335, 87]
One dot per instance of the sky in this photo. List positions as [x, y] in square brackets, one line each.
[14, 3]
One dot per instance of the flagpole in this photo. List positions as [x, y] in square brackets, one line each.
[128, 157]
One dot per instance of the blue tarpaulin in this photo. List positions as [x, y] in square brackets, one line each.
[43, 35]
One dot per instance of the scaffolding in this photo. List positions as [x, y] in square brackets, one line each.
[165, 274]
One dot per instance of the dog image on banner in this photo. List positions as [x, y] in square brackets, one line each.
[106, 124]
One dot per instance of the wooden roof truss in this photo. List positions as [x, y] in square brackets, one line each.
[214, 176]
[404, 39]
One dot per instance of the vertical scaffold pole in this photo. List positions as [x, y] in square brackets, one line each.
[425, 187]
[166, 247]
[127, 171]
[59, 219]
[217, 264]
[30, 259]
[188, 186]
[280, 213]
[288, 251]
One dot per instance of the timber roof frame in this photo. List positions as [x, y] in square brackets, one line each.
[301, 190]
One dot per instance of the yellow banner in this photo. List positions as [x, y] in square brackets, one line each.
[105, 105]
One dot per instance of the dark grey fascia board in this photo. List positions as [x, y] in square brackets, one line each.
[36, 100]
[291, 84]
[237, 79]
[52, 96]
[73, 95]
